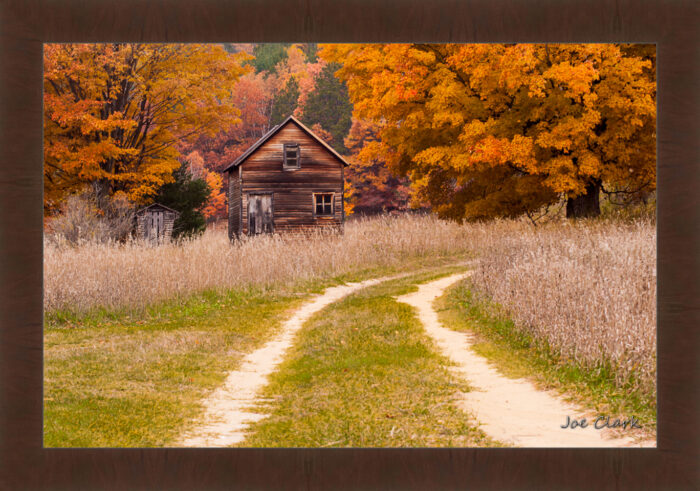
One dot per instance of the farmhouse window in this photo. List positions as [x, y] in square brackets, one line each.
[323, 204]
[291, 156]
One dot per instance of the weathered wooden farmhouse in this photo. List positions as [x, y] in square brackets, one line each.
[155, 223]
[288, 181]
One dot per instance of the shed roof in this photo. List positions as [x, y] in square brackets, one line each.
[142, 210]
[273, 132]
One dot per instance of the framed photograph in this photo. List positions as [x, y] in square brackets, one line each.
[262, 246]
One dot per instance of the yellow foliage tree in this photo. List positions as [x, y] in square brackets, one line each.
[113, 112]
[503, 130]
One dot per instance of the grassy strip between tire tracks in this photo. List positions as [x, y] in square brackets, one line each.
[363, 373]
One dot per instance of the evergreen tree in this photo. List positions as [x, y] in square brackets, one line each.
[329, 105]
[310, 50]
[285, 102]
[268, 55]
[186, 195]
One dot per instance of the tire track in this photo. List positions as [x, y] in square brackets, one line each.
[231, 407]
[509, 410]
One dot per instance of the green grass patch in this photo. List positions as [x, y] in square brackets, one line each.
[136, 378]
[363, 373]
[516, 354]
[125, 381]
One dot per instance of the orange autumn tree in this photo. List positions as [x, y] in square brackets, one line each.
[216, 204]
[113, 113]
[253, 96]
[370, 185]
[504, 130]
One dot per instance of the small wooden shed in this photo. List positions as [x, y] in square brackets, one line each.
[290, 180]
[155, 223]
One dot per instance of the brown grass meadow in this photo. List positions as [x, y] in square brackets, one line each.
[136, 274]
[588, 288]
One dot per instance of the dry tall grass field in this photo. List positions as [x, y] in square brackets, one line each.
[588, 289]
[137, 274]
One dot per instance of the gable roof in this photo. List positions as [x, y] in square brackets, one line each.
[273, 132]
[142, 210]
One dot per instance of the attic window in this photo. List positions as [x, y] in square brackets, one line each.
[291, 156]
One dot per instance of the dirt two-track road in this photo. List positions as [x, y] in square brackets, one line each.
[509, 410]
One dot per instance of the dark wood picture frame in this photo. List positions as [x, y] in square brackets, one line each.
[26, 24]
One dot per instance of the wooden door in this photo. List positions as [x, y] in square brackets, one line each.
[260, 214]
[150, 227]
[154, 225]
[160, 222]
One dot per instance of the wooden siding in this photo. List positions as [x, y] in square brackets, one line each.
[293, 190]
[234, 204]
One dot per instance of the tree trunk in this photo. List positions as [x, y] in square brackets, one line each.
[586, 205]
